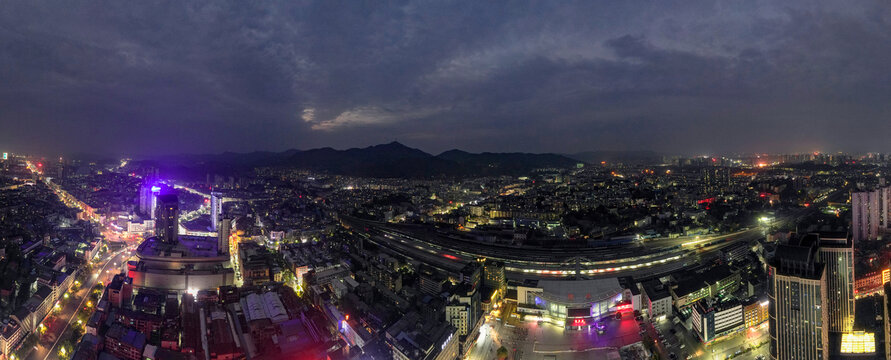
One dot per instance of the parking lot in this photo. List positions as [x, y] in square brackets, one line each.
[540, 340]
[673, 341]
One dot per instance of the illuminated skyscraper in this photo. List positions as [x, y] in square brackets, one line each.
[216, 210]
[797, 291]
[148, 194]
[167, 221]
[837, 254]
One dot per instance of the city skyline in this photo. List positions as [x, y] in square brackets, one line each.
[685, 77]
[436, 180]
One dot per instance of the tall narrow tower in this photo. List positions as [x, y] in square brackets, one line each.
[837, 253]
[223, 236]
[216, 210]
[167, 221]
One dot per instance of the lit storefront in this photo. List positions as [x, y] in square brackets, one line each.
[575, 304]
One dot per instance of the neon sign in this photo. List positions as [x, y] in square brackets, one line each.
[623, 307]
[579, 322]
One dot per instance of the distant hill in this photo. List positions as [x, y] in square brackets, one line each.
[626, 157]
[506, 163]
[393, 160]
[386, 160]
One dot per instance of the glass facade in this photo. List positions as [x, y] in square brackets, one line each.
[558, 310]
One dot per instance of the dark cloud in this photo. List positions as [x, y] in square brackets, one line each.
[687, 77]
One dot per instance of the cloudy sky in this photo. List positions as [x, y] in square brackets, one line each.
[142, 77]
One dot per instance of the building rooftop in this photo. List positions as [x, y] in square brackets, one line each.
[188, 246]
[798, 258]
[693, 281]
[127, 336]
[581, 290]
[265, 306]
[655, 290]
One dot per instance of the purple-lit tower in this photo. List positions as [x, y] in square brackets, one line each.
[148, 195]
[216, 210]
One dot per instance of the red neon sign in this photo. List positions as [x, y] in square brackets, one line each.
[579, 322]
[623, 308]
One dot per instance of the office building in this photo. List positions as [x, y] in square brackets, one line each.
[493, 272]
[167, 221]
[837, 254]
[713, 320]
[797, 294]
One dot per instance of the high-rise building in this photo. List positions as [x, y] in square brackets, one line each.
[493, 273]
[148, 194]
[223, 236]
[884, 207]
[865, 217]
[144, 193]
[797, 293]
[715, 179]
[837, 254]
[216, 209]
[167, 221]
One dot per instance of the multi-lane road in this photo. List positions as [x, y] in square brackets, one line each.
[58, 325]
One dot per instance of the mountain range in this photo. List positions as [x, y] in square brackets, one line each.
[393, 160]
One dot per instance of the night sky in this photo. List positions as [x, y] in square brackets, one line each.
[148, 77]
